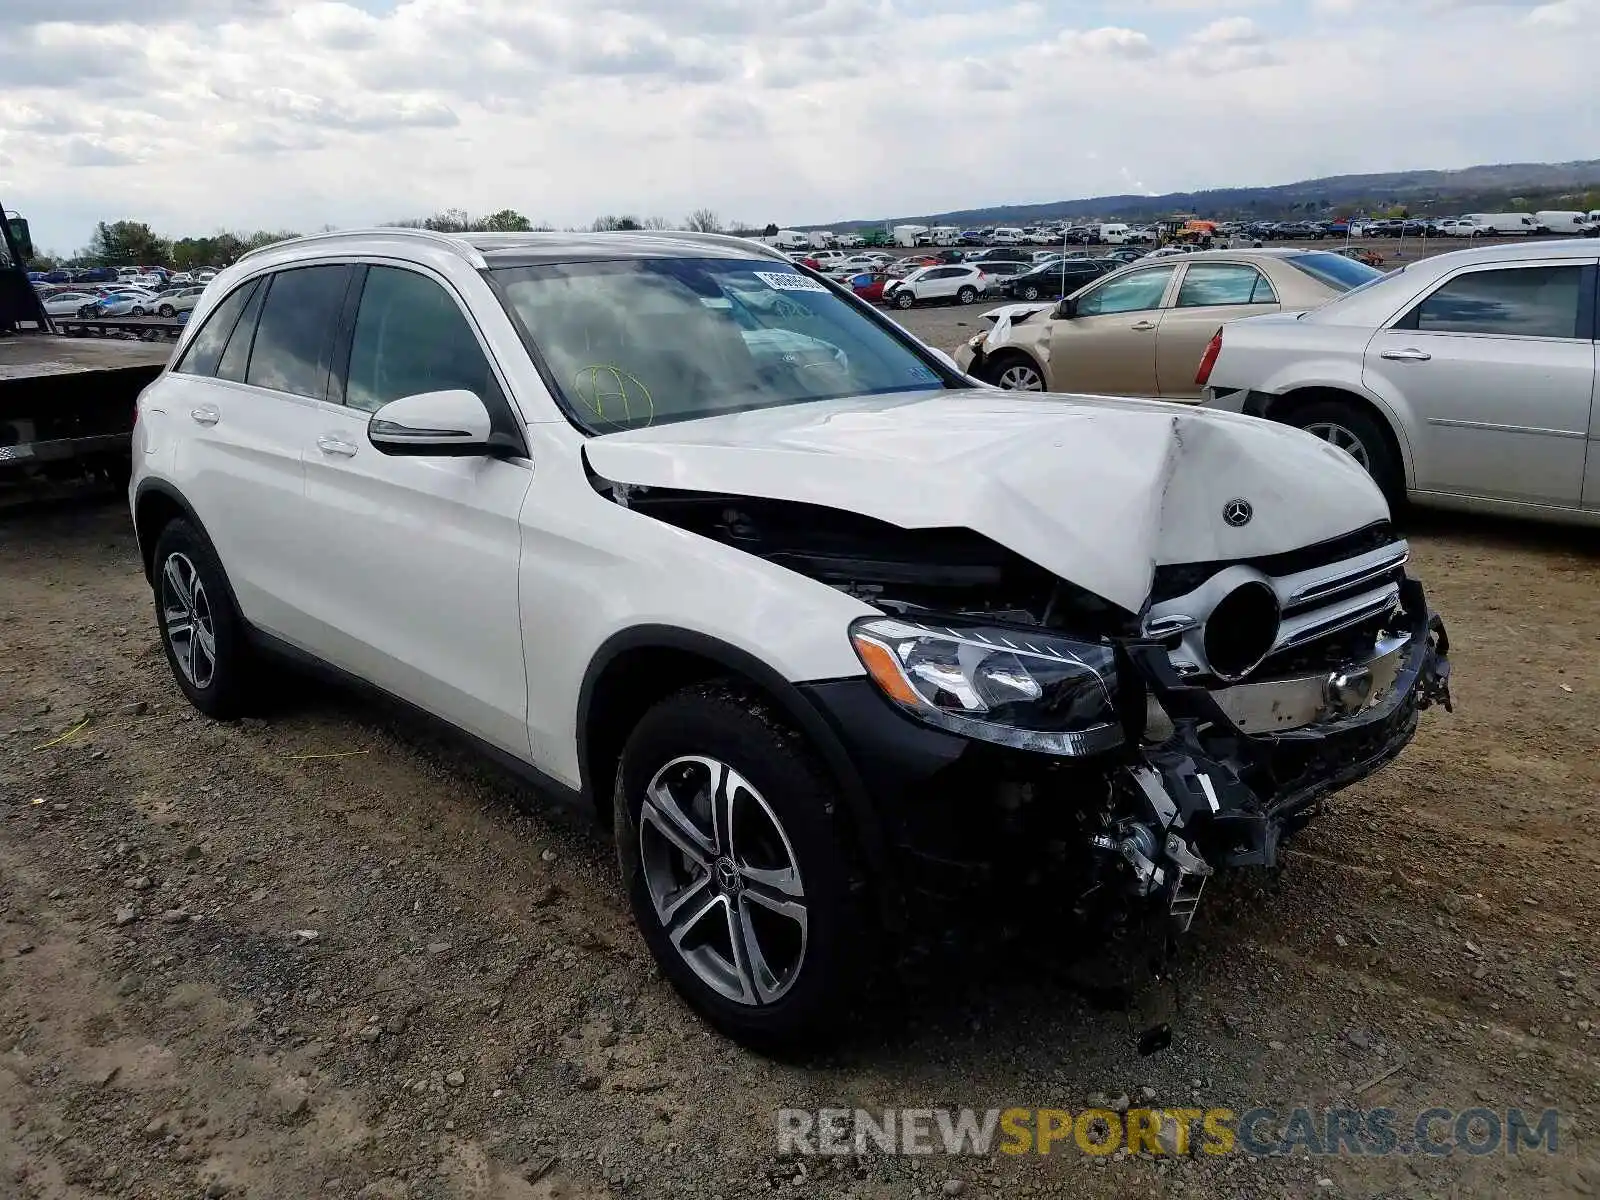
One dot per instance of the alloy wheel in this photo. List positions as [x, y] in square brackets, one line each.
[1021, 378]
[186, 614]
[723, 879]
[1338, 435]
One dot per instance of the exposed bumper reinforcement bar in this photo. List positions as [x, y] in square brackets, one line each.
[1221, 796]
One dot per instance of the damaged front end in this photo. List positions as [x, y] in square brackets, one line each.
[1038, 735]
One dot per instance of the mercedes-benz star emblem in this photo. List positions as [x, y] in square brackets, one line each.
[1237, 512]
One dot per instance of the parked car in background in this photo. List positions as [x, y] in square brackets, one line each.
[1141, 331]
[960, 283]
[175, 300]
[1510, 224]
[1466, 380]
[68, 303]
[1556, 221]
[869, 285]
[1053, 280]
[123, 303]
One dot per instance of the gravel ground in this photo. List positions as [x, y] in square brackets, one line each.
[325, 953]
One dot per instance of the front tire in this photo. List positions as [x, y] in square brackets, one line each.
[201, 633]
[166, 310]
[904, 298]
[1359, 435]
[136, 311]
[730, 840]
[1031, 292]
[1015, 372]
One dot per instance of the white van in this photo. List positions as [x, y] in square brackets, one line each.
[821, 239]
[1558, 221]
[1492, 224]
[1114, 234]
[945, 235]
[1006, 237]
[910, 235]
[788, 239]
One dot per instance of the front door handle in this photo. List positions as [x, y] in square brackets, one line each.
[1142, 326]
[330, 444]
[1409, 354]
[205, 414]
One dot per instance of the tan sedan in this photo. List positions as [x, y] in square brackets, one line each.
[1141, 331]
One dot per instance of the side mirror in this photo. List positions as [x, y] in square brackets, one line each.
[452, 423]
[1067, 309]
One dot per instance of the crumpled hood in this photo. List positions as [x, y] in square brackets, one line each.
[1097, 490]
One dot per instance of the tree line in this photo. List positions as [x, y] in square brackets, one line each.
[129, 243]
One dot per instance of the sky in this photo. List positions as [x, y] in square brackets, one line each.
[202, 115]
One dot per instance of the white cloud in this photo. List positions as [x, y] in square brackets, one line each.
[282, 113]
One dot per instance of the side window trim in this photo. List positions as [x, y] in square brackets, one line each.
[344, 335]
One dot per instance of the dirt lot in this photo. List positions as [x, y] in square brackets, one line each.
[326, 954]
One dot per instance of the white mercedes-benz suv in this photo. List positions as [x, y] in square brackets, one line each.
[818, 626]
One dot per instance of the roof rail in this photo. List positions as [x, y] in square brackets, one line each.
[730, 240]
[458, 245]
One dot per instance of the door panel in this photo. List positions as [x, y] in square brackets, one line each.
[421, 586]
[239, 463]
[1506, 418]
[419, 594]
[1110, 347]
[1209, 294]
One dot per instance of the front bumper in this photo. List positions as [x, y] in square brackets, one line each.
[955, 812]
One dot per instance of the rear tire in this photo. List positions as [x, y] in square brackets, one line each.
[966, 295]
[202, 634]
[716, 748]
[1360, 435]
[136, 311]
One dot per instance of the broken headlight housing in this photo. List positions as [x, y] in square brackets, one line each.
[1027, 689]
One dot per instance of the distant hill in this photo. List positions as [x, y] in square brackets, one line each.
[1502, 186]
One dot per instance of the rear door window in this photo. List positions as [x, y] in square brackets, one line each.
[1513, 301]
[294, 338]
[204, 352]
[1208, 284]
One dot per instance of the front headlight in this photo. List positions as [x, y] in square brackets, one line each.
[1027, 689]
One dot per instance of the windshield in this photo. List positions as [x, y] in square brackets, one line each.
[649, 341]
[1335, 270]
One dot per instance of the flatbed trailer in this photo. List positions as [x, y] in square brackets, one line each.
[67, 405]
[148, 329]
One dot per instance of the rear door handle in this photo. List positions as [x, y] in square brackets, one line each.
[205, 414]
[1142, 326]
[1407, 355]
[330, 444]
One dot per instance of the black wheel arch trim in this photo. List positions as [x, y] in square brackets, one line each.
[792, 701]
[167, 491]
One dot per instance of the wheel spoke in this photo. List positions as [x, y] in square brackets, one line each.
[180, 585]
[178, 623]
[679, 930]
[189, 655]
[672, 905]
[790, 909]
[748, 962]
[728, 784]
[785, 882]
[677, 829]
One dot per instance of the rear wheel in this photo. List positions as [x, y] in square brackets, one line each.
[1356, 432]
[136, 311]
[729, 839]
[966, 295]
[200, 631]
[1015, 372]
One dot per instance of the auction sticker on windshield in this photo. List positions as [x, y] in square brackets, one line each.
[787, 282]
